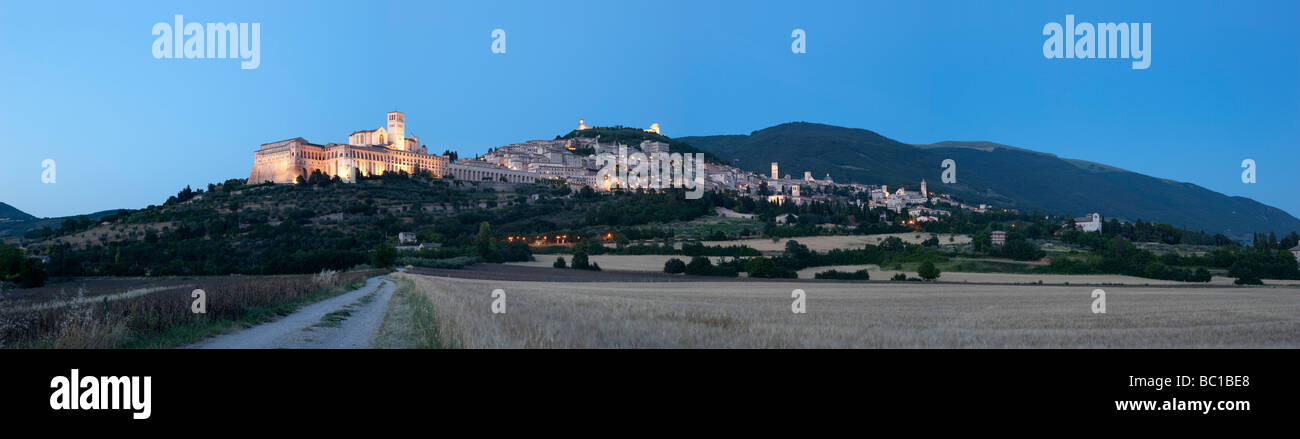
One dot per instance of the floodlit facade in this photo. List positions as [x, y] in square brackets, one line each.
[367, 153]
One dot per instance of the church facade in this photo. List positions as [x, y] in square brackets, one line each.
[367, 153]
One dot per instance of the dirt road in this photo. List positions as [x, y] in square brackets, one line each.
[347, 321]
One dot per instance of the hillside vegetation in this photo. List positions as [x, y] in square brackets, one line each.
[1004, 176]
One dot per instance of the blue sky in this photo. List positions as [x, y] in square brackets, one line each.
[79, 84]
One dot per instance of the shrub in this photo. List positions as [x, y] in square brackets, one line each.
[699, 266]
[899, 277]
[833, 274]
[1201, 275]
[326, 278]
[702, 266]
[580, 261]
[762, 267]
[928, 271]
[559, 262]
[674, 266]
[385, 255]
[456, 262]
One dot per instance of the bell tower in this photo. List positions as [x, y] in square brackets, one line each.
[397, 130]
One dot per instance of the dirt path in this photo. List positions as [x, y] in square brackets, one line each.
[347, 321]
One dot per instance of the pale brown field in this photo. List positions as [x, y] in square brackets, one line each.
[872, 315]
[655, 264]
[1033, 278]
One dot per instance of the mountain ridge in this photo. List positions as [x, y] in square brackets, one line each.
[10, 213]
[993, 173]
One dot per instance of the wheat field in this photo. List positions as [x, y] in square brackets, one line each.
[844, 315]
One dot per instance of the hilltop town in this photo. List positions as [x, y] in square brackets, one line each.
[574, 160]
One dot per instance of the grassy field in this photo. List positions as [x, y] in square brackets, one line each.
[409, 322]
[875, 315]
[122, 314]
[952, 271]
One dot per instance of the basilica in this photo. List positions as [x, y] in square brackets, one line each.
[368, 152]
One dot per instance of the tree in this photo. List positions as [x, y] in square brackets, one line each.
[11, 259]
[674, 266]
[799, 252]
[483, 241]
[559, 262]
[385, 255]
[980, 242]
[928, 271]
[699, 266]
[580, 261]
[760, 267]
[32, 273]
[1201, 275]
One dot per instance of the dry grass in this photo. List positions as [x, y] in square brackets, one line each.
[162, 317]
[409, 322]
[655, 263]
[757, 315]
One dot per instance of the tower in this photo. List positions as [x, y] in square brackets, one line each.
[397, 130]
[923, 192]
[774, 173]
[346, 168]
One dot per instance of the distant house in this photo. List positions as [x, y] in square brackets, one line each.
[998, 237]
[406, 238]
[1296, 251]
[1089, 223]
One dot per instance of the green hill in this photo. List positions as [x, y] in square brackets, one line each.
[10, 213]
[997, 174]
